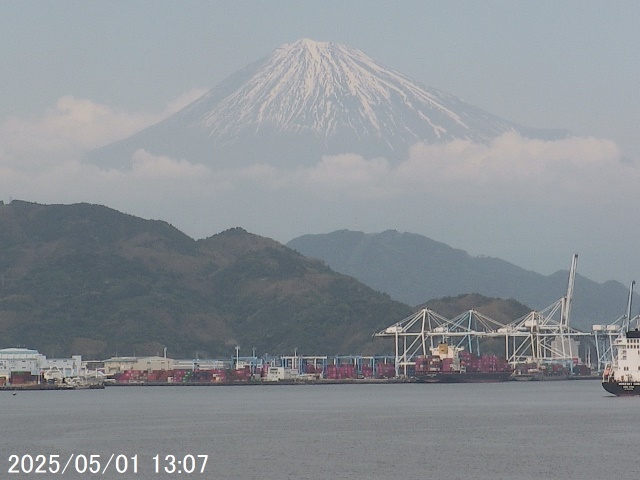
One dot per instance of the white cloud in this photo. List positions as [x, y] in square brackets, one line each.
[351, 174]
[72, 127]
[146, 166]
[515, 166]
[576, 169]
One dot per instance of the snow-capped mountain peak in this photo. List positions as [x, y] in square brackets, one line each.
[324, 87]
[308, 99]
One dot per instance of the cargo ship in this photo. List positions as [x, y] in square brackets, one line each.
[449, 364]
[623, 376]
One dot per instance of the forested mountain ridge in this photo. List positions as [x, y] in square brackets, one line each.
[89, 280]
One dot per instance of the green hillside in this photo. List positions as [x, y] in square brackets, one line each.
[90, 280]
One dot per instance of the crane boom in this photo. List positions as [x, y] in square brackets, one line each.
[566, 310]
[627, 320]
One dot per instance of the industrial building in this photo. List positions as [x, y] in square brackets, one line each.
[23, 365]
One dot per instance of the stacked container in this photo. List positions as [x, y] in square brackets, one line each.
[241, 375]
[22, 378]
[332, 372]
[386, 370]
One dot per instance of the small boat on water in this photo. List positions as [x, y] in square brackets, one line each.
[527, 374]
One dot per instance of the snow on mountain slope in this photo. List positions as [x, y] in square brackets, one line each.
[307, 99]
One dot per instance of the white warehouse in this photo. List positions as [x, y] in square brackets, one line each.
[26, 360]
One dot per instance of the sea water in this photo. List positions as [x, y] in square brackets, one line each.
[511, 430]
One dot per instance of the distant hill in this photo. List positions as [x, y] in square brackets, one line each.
[500, 310]
[90, 280]
[415, 269]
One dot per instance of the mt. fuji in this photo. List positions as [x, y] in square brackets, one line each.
[309, 99]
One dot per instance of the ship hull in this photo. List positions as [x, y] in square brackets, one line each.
[475, 377]
[622, 388]
[527, 377]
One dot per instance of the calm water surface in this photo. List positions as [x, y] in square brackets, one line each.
[523, 430]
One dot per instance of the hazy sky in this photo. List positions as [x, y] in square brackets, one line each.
[79, 74]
